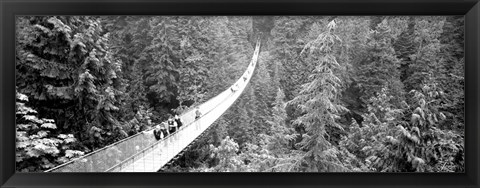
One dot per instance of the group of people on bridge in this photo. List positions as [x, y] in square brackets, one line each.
[172, 125]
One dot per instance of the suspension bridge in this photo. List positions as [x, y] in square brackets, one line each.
[143, 153]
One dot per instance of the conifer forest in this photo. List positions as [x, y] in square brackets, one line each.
[328, 93]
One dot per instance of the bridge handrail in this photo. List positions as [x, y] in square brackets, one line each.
[126, 139]
[207, 106]
[227, 93]
[152, 145]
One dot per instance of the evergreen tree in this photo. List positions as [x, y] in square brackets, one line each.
[387, 97]
[66, 68]
[426, 61]
[241, 128]
[197, 57]
[380, 67]
[318, 100]
[409, 139]
[286, 46]
[158, 61]
[129, 39]
[261, 102]
[452, 55]
[405, 47]
[282, 134]
[428, 147]
[354, 32]
[374, 143]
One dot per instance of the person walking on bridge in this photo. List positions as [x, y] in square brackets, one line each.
[198, 114]
[234, 88]
[172, 125]
[158, 132]
[178, 121]
[164, 128]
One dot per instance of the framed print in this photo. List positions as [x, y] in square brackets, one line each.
[239, 93]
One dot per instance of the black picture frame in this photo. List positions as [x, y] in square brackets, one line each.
[10, 8]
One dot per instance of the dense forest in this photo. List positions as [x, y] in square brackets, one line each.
[329, 94]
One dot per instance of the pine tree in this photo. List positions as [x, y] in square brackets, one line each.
[228, 54]
[159, 61]
[375, 143]
[282, 134]
[241, 128]
[405, 47]
[261, 102]
[197, 57]
[409, 139]
[129, 38]
[452, 54]
[318, 100]
[426, 146]
[354, 32]
[380, 67]
[66, 68]
[286, 46]
[426, 61]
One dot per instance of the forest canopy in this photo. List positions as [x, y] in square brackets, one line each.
[329, 93]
